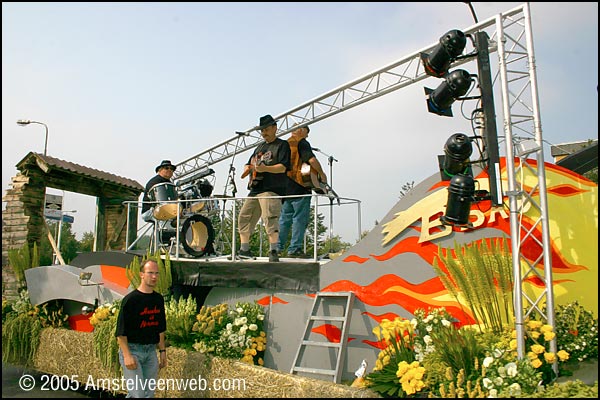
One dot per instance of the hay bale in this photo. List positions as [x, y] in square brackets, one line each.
[259, 382]
[66, 352]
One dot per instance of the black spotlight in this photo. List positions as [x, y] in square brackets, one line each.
[457, 150]
[455, 85]
[438, 61]
[460, 196]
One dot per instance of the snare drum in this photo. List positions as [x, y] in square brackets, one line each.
[161, 193]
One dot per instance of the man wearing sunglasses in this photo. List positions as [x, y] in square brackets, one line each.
[164, 173]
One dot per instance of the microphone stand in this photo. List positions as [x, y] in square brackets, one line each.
[230, 181]
[330, 160]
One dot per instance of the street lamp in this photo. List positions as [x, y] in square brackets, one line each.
[23, 122]
[62, 217]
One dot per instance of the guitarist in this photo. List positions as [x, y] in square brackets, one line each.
[268, 166]
[295, 211]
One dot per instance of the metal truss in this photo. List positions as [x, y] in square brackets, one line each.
[511, 37]
[526, 179]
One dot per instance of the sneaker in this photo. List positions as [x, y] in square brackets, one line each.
[273, 257]
[297, 254]
[244, 254]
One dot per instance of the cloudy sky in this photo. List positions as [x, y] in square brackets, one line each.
[122, 86]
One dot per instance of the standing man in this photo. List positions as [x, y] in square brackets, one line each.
[267, 169]
[164, 173]
[141, 327]
[295, 211]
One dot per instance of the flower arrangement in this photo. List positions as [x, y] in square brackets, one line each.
[576, 332]
[180, 315]
[537, 338]
[503, 376]
[397, 373]
[104, 312]
[236, 333]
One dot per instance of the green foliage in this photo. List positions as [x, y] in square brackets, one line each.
[51, 314]
[86, 244]
[69, 246]
[21, 260]
[106, 347]
[458, 349]
[573, 389]
[181, 315]
[483, 276]
[396, 372]
[20, 338]
[576, 332]
[165, 279]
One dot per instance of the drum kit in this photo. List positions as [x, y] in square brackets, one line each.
[193, 205]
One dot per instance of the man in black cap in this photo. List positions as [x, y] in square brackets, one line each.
[164, 173]
[267, 169]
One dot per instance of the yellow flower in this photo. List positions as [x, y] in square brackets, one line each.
[534, 324]
[538, 349]
[550, 357]
[513, 344]
[546, 328]
[534, 335]
[562, 355]
[548, 336]
[536, 363]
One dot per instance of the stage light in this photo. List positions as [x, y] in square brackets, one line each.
[460, 196]
[455, 85]
[450, 47]
[457, 150]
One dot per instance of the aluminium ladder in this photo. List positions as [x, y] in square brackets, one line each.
[323, 301]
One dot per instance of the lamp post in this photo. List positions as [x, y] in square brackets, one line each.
[62, 217]
[23, 122]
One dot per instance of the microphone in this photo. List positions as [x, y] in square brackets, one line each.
[242, 133]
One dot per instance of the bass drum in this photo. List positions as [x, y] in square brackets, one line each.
[197, 236]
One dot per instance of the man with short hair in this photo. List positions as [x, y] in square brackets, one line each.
[141, 326]
[267, 169]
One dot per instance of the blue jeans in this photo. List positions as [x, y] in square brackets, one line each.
[137, 380]
[294, 215]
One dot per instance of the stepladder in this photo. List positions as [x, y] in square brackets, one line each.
[323, 344]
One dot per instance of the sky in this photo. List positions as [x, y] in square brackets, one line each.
[122, 86]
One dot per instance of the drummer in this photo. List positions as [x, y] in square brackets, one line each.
[164, 173]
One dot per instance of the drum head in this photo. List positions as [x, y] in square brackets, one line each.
[197, 236]
[164, 191]
[165, 212]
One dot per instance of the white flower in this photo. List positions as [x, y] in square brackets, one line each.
[514, 389]
[229, 326]
[243, 329]
[244, 320]
[253, 327]
[488, 361]
[497, 353]
[260, 317]
[493, 394]
[502, 371]
[238, 322]
[446, 323]
[239, 310]
[427, 339]
[487, 383]
[429, 328]
[498, 381]
[413, 322]
[511, 369]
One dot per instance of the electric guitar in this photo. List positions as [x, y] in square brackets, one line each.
[253, 177]
[310, 179]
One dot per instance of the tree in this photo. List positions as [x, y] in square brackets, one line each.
[69, 246]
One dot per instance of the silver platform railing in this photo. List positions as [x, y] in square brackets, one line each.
[228, 203]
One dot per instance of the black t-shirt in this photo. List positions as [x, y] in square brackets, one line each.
[142, 317]
[155, 180]
[305, 153]
[276, 152]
